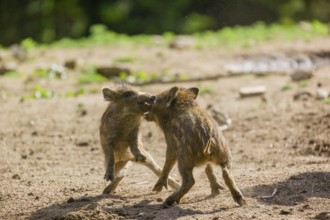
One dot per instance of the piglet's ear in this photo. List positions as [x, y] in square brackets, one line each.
[172, 95]
[193, 91]
[108, 94]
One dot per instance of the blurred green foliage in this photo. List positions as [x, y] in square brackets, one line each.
[48, 20]
[227, 38]
[90, 76]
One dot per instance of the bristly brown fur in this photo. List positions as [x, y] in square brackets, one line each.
[193, 138]
[119, 133]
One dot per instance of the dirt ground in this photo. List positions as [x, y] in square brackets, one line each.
[51, 162]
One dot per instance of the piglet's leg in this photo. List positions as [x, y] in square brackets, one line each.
[215, 186]
[187, 182]
[110, 163]
[234, 190]
[169, 163]
[120, 173]
[134, 146]
[154, 167]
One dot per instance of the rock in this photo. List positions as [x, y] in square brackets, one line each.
[70, 200]
[92, 206]
[110, 72]
[16, 177]
[252, 91]
[159, 200]
[285, 212]
[18, 52]
[82, 144]
[4, 70]
[57, 71]
[182, 42]
[321, 94]
[302, 95]
[70, 64]
[301, 75]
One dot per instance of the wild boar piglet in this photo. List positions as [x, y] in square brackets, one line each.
[193, 138]
[120, 136]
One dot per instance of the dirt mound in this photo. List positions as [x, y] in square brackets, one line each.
[315, 138]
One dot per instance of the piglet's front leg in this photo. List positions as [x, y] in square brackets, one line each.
[169, 163]
[110, 169]
[134, 145]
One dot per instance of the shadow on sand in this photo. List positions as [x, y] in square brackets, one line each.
[91, 207]
[294, 190]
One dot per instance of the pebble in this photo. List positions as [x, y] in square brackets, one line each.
[70, 200]
[82, 144]
[322, 94]
[252, 91]
[301, 75]
[285, 212]
[16, 177]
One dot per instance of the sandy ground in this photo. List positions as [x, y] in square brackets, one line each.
[51, 162]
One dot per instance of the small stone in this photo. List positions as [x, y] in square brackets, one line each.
[252, 91]
[110, 71]
[35, 133]
[92, 206]
[70, 200]
[159, 200]
[82, 144]
[285, 212]
[321, 94]
[70, 64]
[16, 177]
[301, 75]
[18, 52]
[4, 70]
[302, 95]
[183, 42]
[24, 156]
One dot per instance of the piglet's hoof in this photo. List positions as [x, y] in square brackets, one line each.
[109, 176]
[140, 158]
[159, 185]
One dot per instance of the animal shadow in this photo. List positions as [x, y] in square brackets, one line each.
[294, 190]
[145, 210]
[113, 207]
[59, 210]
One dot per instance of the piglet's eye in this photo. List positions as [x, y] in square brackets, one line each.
[127, 94]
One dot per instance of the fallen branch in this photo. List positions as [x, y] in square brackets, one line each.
[271, 196]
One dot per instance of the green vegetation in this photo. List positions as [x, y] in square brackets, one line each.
[139, 77]
[326, 100]
[47, 21]
[239, 36]
[28, 43]
[228, 37]
[206, 89]
[40, 92]
[303, 83]
[287, 86]
[12, 74]
[90, 76]
[124, 59]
